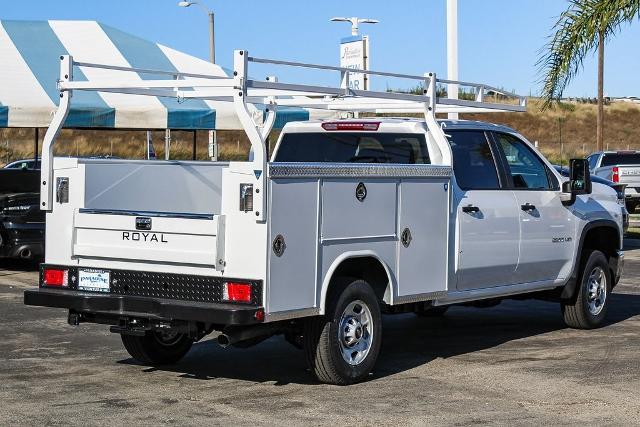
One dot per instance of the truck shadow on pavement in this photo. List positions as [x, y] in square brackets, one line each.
[408, 342]
[10, 265]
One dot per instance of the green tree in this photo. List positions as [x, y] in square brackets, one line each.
[582, 29]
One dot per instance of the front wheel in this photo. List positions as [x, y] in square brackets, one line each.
[342, 346]
[588, 307]
[157, 348]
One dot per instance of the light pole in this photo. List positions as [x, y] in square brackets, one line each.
[355, 21]
[212, 40]
[452, 51]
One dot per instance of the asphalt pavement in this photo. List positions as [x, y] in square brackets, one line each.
[512, 364]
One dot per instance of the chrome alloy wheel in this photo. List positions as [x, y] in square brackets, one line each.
[356, 332]
[596, 290]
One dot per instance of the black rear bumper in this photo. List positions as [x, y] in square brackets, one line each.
[122, 306]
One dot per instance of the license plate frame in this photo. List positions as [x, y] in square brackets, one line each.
[94, 280]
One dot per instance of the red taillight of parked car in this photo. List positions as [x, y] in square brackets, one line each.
[236, 292]
[55, 277]
[616, 174]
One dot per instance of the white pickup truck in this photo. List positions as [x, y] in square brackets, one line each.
[622, 167]
[350, 219]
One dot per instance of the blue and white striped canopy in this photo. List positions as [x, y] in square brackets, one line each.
[29, 53]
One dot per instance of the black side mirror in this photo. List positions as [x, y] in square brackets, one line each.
[579, 178]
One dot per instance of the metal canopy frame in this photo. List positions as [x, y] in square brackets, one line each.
[243, 92]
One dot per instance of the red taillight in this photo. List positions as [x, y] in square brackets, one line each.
[370, 126]
[616, 174]
[236, 292]
[55, 277]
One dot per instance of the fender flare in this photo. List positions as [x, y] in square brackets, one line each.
[326, 281]
[569, 288]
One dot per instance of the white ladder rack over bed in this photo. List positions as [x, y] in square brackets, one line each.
[244, 91]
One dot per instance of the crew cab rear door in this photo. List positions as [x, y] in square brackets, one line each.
[547, 228]
[487, 216]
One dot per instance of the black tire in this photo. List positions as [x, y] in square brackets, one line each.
[631, 207]
[324, 343]
[587, 310]
[156, 348]
[437, 311]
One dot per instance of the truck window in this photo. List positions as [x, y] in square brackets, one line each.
[525, 167]
[353, 147]
[473, 162]
[612, 159]
[593, 161]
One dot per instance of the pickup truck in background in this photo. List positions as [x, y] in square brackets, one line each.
[346, 220]
[620, 167]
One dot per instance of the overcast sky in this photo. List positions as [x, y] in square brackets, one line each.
[499, 40]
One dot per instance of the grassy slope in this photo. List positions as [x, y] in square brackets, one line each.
[622, 131]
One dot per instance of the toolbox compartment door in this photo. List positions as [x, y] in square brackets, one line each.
[149, 237]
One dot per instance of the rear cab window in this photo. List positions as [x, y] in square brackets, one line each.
[613, 159]
[473, 162]
[352, 147]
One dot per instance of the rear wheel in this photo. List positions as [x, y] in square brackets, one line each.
[342, 346]
[588, 307]
[157, 347]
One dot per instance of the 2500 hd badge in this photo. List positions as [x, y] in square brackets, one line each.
[143, 237]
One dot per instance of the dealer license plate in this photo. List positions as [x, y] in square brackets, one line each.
[93, 280]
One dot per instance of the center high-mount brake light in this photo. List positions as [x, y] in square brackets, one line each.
[330, 126]
[236, 292]
[56, 277]
[616, 174]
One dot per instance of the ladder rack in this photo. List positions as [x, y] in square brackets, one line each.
[245, 93]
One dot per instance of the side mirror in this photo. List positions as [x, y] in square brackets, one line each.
[579, 179]
[579, 176]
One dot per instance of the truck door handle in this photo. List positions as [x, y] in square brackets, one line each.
[470, 209]
[528, 207]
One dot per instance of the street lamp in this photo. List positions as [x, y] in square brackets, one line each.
[212, 42]
[355, 22]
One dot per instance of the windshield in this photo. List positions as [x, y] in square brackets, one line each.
[353, 147]
[621, 159]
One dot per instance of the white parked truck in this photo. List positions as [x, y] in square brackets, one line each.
[349, 219]
[622, 167]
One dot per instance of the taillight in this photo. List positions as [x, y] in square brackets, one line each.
[370, 126]
[616, 174]
[56, 277]
[236, 292]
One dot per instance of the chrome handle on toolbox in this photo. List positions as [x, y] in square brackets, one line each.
[470, 209]
[62, 189]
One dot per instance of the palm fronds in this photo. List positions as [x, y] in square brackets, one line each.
[575, 34]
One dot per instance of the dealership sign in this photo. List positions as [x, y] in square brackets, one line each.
[354, 54]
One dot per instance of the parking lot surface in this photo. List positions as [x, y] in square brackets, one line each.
[512, 364]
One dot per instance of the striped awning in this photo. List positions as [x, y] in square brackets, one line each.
[30, 52]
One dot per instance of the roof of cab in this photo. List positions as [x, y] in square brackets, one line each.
[402, 122]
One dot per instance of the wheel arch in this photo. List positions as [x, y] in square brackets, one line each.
[603, 235]
[365, 265]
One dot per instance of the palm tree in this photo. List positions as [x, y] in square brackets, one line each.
[582, 28]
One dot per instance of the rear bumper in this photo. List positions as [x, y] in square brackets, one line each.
[121, 306]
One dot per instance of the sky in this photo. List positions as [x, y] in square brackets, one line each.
[499, 40]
